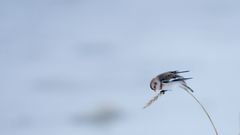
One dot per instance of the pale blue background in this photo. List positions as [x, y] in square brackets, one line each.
[84, 67]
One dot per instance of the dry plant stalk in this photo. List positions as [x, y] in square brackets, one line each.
[153, 100]
[205, 111]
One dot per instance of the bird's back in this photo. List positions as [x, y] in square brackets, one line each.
[168, 76]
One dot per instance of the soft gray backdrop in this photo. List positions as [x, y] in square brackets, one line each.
[83, 67]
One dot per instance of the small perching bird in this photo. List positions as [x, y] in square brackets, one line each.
[168, 79]
[165, 80]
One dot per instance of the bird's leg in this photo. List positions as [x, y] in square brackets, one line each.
[163, 91]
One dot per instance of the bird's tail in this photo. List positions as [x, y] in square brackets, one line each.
[181, 79]
[182, 71]
[183, 83]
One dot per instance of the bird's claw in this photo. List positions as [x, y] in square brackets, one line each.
[163, 91]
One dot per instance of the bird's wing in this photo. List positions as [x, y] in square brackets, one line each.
[177, 79]
[165, 76]
[180, 79]
[182, 82]
[168, 76]
[173, 76]
[178, 72]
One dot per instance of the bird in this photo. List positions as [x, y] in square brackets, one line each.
[167, 79]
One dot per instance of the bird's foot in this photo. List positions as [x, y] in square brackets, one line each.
[163, 91]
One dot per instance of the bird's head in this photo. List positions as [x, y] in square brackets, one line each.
[155, 84]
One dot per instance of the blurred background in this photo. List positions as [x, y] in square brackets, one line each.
[83, 67]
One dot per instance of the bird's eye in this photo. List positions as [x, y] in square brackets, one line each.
[155, 85]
